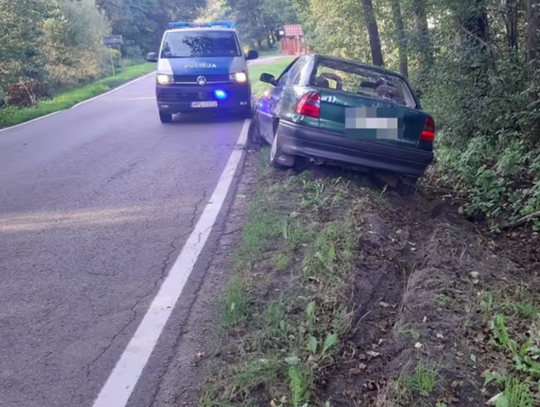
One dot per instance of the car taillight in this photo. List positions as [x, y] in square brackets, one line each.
[309, 105]
[428, 134]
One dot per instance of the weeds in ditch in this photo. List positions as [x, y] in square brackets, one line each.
[236, 302]
[424, 380]
[283, 346]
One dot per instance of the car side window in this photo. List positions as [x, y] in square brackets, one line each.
[297, 72]
[284, 78]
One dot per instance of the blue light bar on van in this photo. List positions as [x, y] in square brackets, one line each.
[226, 24]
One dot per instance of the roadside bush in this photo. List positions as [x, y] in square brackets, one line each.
[487, 144]
[133, 53]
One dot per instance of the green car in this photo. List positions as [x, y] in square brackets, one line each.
[336, 111]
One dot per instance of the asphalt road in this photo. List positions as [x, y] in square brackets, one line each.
[95, 204]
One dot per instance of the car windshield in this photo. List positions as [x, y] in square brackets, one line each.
[352, 78]
[189, 44]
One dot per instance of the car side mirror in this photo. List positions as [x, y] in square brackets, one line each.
[152, 57]
[252, 55]
[267, 78]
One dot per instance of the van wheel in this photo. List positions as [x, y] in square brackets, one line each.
[165, 117]
[277, 158]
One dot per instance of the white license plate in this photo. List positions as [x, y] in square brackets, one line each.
[212, 103]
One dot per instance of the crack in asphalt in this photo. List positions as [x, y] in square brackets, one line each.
[163, 270]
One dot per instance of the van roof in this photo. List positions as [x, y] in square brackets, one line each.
[215, 28]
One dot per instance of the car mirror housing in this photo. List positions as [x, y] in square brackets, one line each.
[268, 78]
[252, 55]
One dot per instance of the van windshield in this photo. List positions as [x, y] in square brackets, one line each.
[190, 44]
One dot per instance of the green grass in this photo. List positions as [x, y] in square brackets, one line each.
[275, 68]
[424, 380]
[236, 303]
[14, 115]
[288, 328]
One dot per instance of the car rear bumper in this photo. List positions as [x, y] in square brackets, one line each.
[311, 142]
[178, 98]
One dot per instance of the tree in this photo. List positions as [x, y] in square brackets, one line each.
[74, 35]
[512, 25]
[22, 54]
[373, 32]
[401, 38]
[425, 51]
[533, 24]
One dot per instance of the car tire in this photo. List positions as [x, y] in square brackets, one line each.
[255, 140]
[406, 186]
[165, 117]
[277, 158]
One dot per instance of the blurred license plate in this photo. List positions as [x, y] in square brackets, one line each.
[212, 103]
[373, 123]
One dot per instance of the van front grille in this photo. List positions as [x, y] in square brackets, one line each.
[192, 79]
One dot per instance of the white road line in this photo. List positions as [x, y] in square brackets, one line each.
[128, 370]
[79, 104]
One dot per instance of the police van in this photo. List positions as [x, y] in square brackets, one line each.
[201, 67]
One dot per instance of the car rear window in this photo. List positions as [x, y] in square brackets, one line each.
[356, 79]
[189, 44]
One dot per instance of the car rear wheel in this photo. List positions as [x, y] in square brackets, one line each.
[165, 117]
[406, 186]
[277, 158]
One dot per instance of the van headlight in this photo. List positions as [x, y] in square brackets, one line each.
[239, 77]
[163, 79]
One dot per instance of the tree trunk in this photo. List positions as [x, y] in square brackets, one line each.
[512, 25]
[533, 23]
[475, 25]
[373, 31]
[401, 39]
[425, 52]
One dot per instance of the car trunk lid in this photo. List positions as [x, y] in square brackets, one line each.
[366, 118]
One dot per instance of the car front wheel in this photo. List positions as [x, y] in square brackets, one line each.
[255, 140]
[277, 158]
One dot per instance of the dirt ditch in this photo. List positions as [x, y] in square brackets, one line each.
[346, 294]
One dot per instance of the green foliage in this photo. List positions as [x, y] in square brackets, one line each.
[299, 381]
[515, 392]
[424, 380]
[259, 21]
[22, 53]
[525, 356]
[236, 303]
[74, 35]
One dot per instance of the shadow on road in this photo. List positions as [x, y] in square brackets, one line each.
[207, 118]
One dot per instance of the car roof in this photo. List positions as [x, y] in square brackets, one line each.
[190, 29]
[360, 64]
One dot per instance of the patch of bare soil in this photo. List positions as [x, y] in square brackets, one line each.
[418, 293]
